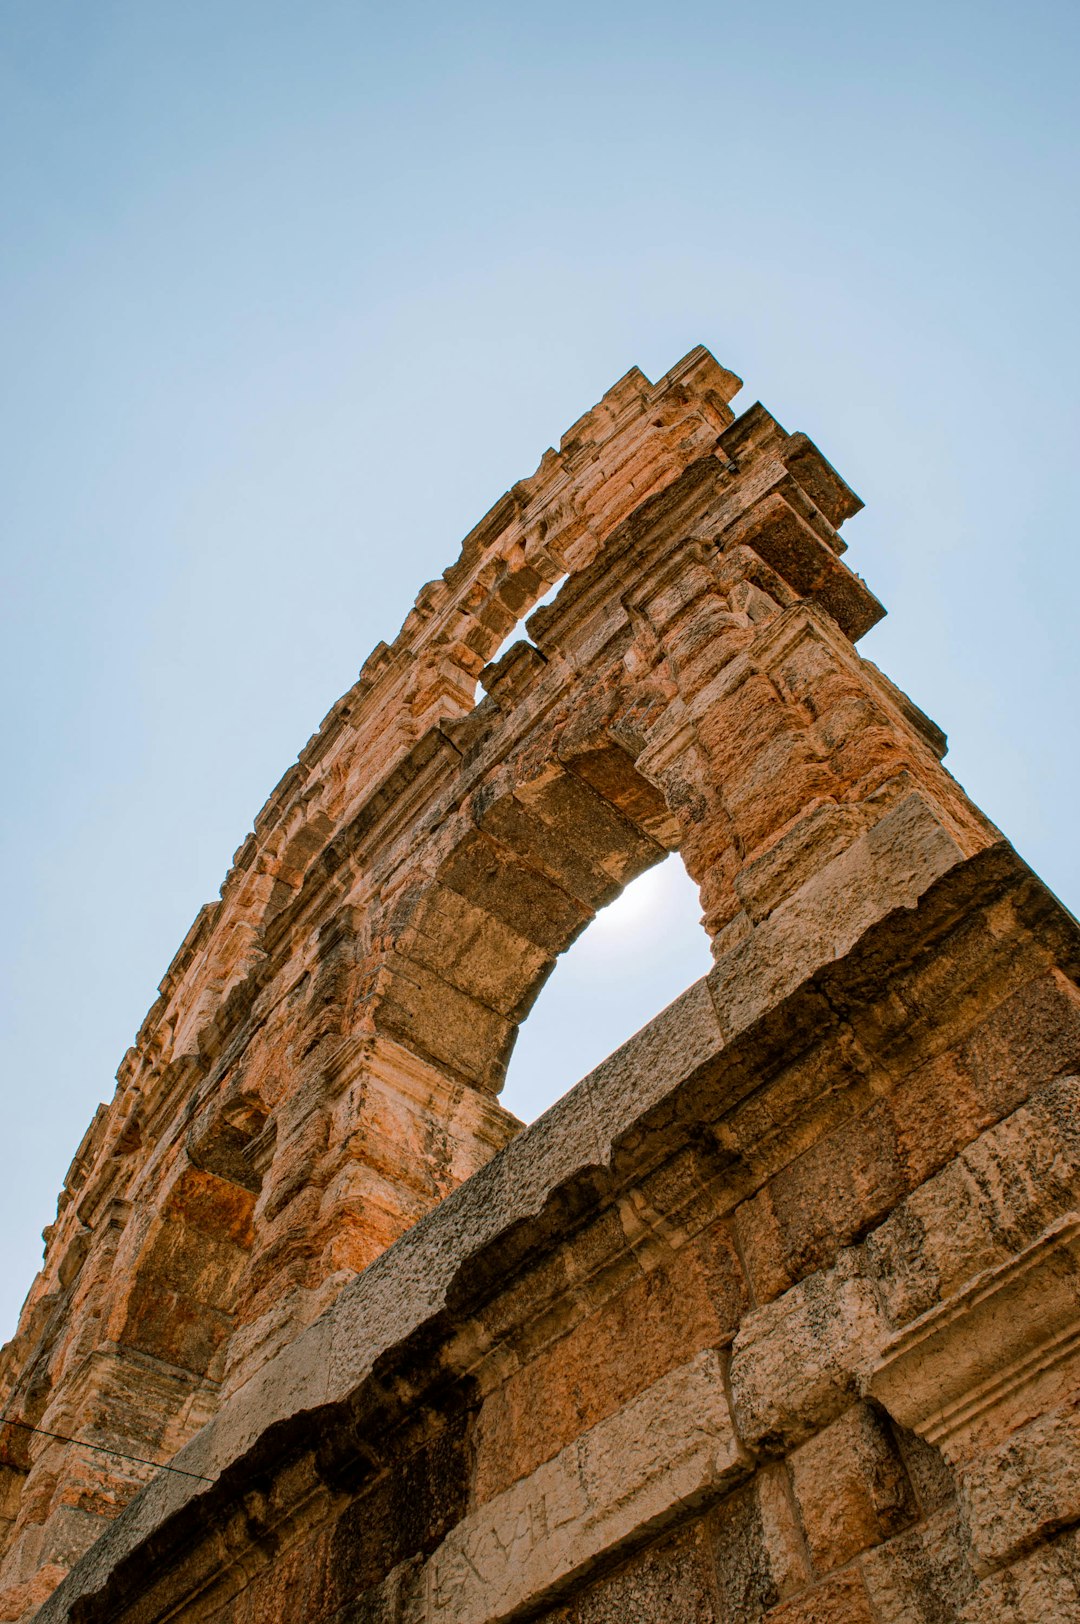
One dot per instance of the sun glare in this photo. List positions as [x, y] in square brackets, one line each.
[639, 953]
[636, 908]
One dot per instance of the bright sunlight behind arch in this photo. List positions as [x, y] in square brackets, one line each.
[639, 953]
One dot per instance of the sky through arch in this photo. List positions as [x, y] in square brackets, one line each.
[289, 295]
[639, 953]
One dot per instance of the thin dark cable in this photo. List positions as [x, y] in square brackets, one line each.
[9, 1421]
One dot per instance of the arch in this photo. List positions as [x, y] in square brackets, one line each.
[324, 1059]
[473, 946]
[640, 952]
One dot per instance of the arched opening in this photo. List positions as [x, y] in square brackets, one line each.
[517, 632]
[640, 952]
[527, 869]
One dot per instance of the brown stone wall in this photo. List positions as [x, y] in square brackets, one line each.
[752, 1322]
[592, 1399]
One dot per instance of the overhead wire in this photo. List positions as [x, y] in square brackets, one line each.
[103, 1449]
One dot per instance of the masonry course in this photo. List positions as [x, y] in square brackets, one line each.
[753, 1322]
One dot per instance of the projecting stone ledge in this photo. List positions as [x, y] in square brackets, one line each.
[659, 1292]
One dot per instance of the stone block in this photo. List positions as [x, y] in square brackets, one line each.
[931, 1478]
[851, 1488]
[994, 1199]
[849, 1179]
[490, 876]
[1028, 1038]
[404, 1513]
[758, 1547]
[888, 868]
[441, 1022]
[474, 951]
[669, 1581]
[1043, 1588]
[824, 833]
[662, 1318]
[839, 1600]
[801, 1360]
[682, 1040]
[1005, 1347]
[922, 1576]
[295, 1585]
[1025, 1488]
[669, 1448]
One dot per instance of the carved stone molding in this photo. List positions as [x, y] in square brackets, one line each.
[1002, 1350]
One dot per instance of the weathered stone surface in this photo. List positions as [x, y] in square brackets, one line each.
[799, 1362]
[968, 1371]
[1042, 1586]
[686, 1347]
[664, 1317]
[997, 1196]
[851, 1488]
[841, 1600]
[663, 1451]
[888, 867]
[923, 1576]
[759, 1548]
[1025, 1488]
[671, 1580]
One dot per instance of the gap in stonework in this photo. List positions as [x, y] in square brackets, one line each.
[639, 953]
[517, 632]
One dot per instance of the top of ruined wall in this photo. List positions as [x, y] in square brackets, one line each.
[396, 790]
[707, 611]
[631, 445]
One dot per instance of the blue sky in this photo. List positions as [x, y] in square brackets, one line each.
[289, 294]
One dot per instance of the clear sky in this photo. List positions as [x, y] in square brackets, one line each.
[292, 292]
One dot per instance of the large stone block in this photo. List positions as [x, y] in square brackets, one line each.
[1043, 1588]
[1003, 1348]
[887, 868]
[760, 1553]
[670, 1581]
[997, 1196]
[689, 1301]
[839, 1600]
[922, 1576]
[799, 1362]
[665, 1451]
[1025, 1488]
[851, 1488]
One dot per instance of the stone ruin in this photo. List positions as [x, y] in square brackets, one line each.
[774, 1316]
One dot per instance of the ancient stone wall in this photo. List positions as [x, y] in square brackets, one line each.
[757, 1319]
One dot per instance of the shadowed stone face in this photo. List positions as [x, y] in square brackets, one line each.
[751, 1322]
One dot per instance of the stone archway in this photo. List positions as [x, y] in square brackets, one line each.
[323, 1063]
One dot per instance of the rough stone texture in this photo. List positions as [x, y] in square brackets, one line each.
[1025, 1488]
[800, 1361]
[759, 1548]
[851, 1488]
[773, 1316]
[1044, 1585]
[672, 1581]
[923, 1576]
[974, 1367]
[842, 1600]
[667, 1449]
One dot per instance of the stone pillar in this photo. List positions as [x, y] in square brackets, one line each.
[777, 746]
